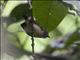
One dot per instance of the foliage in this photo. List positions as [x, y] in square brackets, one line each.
[61, 22]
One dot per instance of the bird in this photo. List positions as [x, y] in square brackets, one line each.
[30, 24]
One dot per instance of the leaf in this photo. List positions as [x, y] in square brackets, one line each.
[19, 11]
[67, 24]
[15, 27]
[48, 13]
[23, 38]
[10, 6]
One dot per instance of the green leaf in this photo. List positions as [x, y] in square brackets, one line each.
[48, 13]
[19, 11]
[23, 38]
[68, 24]
[10, 6]
[15, 27]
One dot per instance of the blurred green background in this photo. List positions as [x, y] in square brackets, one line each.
[61, 20]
